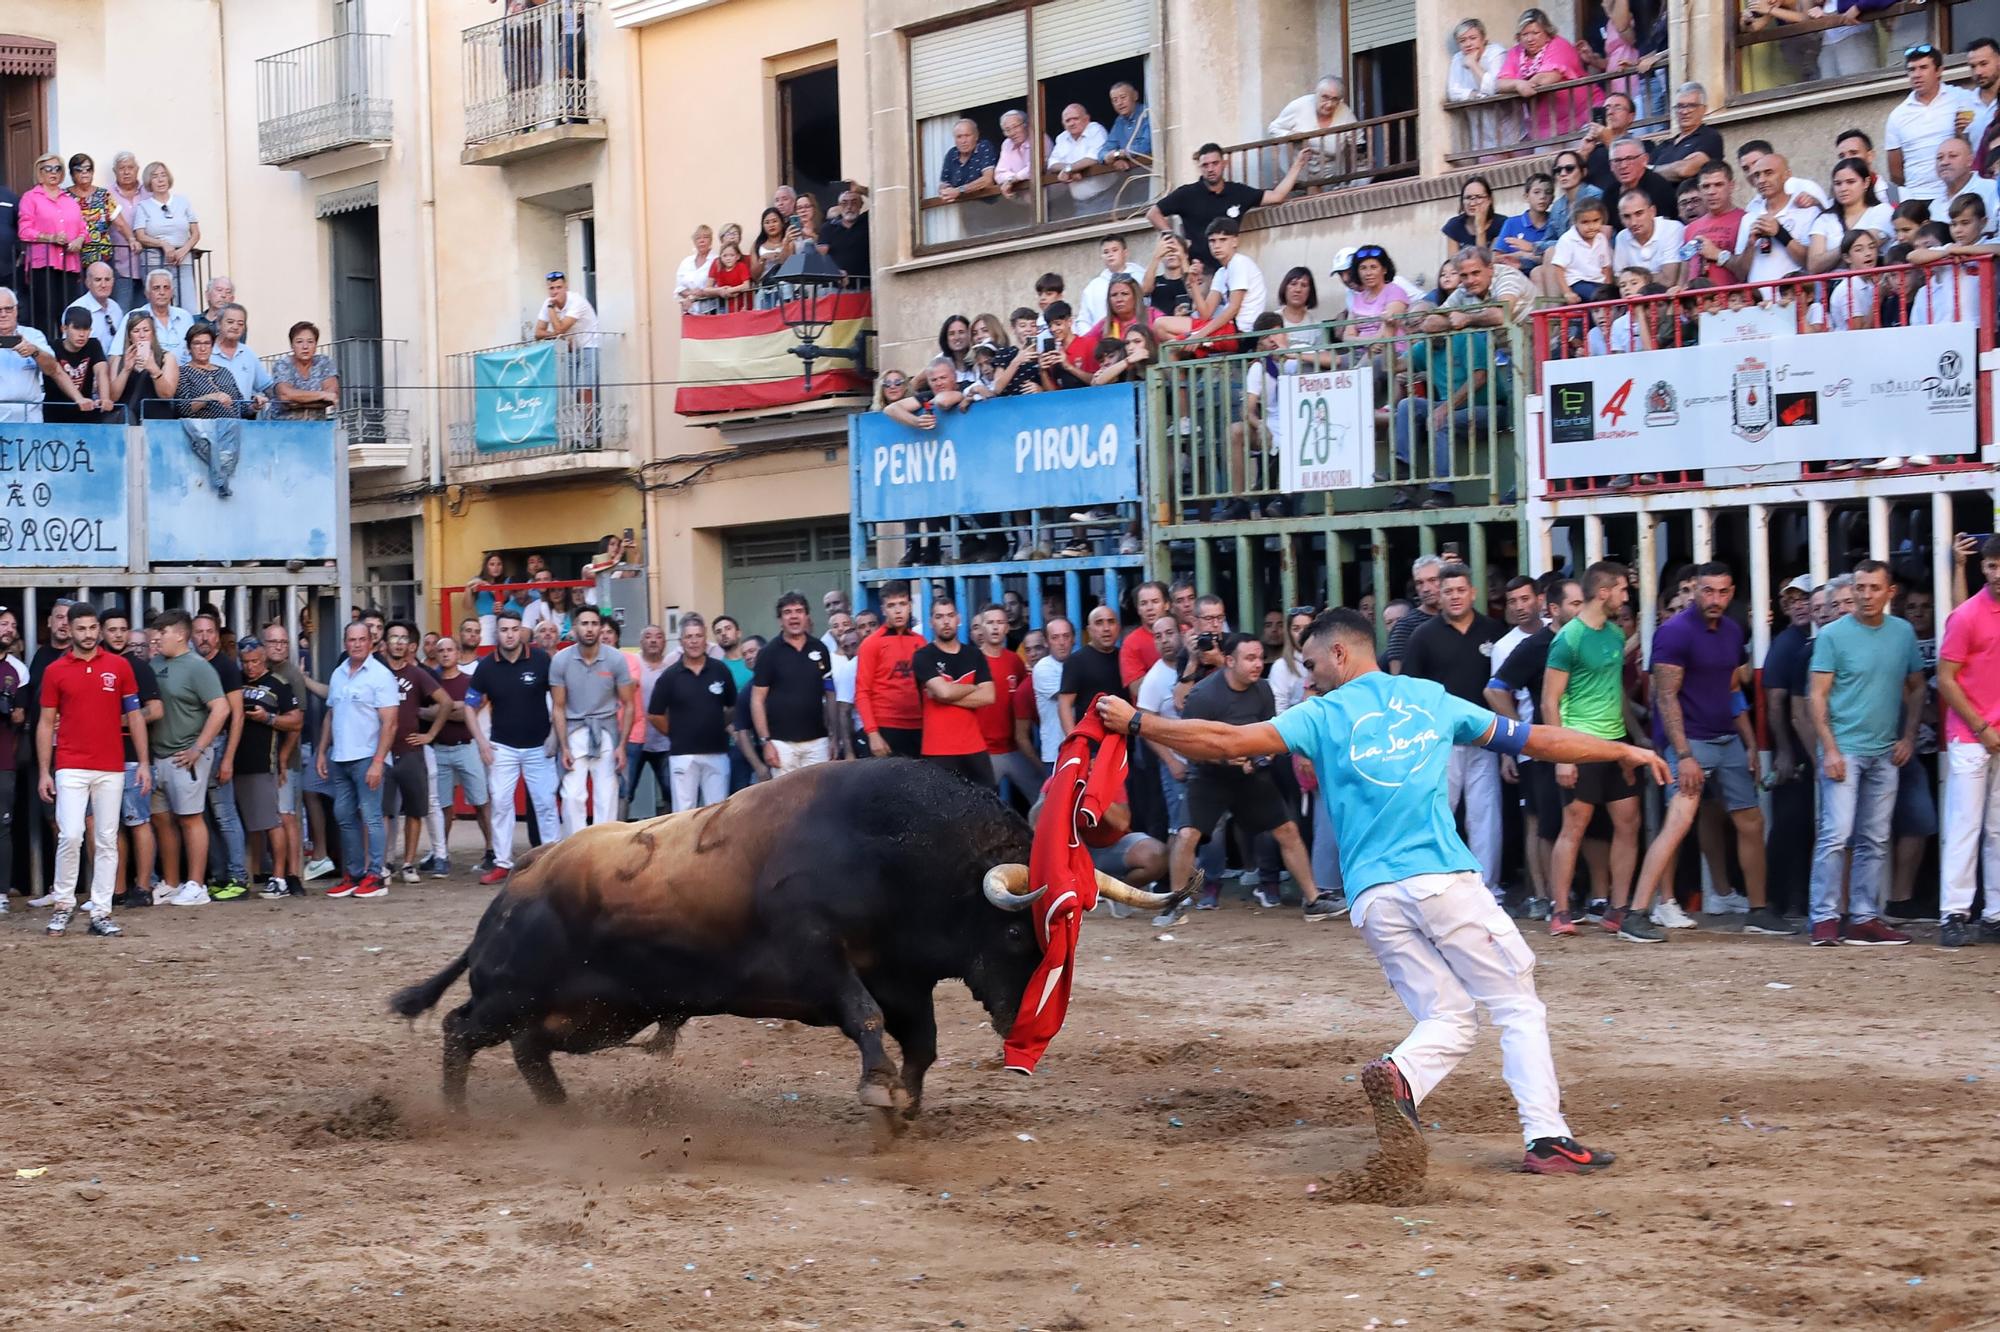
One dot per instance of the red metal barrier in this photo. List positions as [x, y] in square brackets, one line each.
[1944, 292]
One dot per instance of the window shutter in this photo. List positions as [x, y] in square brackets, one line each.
[968, 66]
[1373, 23]
[1076, 34]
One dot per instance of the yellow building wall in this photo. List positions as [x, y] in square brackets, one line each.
[518, 517]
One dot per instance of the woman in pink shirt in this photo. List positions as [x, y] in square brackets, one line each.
[1538, 59]
[52, 231]
[1375, 296]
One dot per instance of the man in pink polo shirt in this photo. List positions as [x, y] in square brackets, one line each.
[1969, 684]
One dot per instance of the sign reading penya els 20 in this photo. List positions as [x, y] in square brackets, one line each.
[1798, 398]
[1042, 450]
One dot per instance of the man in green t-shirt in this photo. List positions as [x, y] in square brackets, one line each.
[1584, 690]
[1867, 700]
[193, 711]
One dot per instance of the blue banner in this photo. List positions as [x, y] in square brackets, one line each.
[1071, 449]
[241, 490]
[514, 398]
[63, 497]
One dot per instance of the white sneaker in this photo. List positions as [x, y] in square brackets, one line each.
[163, 892]
[46, 899]
[410, 874]
[1885, 464]
[1724, 904]
[318, 869]
[1920, 460]
[1668, 915]
[190, 894]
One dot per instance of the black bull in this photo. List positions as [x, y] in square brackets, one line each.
[839, 895]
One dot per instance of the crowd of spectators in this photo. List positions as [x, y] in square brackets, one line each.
[240, 767]
[726, 273]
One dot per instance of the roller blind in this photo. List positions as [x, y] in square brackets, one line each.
[967, 66]
[1373, 23]
[1076, 34]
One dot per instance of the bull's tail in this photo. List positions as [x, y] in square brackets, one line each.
[412, 1000]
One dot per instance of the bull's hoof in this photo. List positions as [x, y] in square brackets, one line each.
[912, 1110]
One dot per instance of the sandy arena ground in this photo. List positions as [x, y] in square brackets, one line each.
[226, 1131]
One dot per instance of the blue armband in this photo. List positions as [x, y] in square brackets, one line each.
[1509, 737]
[1497, 683]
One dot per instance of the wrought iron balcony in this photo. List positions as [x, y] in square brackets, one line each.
[536, 400]
[373, 414]
[529, 72]
[327, 95]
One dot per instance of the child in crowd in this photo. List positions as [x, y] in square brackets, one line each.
[1578, 267]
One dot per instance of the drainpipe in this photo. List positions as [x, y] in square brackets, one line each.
[427, 244]
[222, 94]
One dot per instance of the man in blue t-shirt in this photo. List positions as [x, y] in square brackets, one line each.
[1381, 748]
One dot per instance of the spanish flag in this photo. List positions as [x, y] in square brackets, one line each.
[736, 362]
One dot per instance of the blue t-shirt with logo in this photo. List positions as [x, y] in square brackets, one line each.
[1380, 746]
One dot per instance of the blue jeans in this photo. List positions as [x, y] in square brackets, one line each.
[638, 762]
[225, 850]
[1413, 418]
[355, 807]
[1855, 811]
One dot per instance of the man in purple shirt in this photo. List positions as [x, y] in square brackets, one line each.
[1702, 724]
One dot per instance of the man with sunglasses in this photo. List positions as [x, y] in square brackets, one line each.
[1682, 157]
[568, 318]
[1923, 120]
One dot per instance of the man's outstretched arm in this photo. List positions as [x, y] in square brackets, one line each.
[1562, 745]
[1202, 741]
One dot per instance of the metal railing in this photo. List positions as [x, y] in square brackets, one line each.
[367, 368]
[1777, 59]
[531, 70]
[1216, 445]
[1362, 153]
[325, 95]
[590, 415]
[1749, 313]
[1507, 124]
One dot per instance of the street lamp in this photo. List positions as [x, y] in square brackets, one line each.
[813, 285]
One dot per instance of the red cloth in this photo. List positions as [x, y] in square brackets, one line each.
[1089, 779]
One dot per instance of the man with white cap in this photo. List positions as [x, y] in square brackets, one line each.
[1786, 680]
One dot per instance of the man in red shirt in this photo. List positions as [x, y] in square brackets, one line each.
[87, 698]
[1715, 231]
[955, 684]
[996, 719]
[1138, 652]
[891, 708]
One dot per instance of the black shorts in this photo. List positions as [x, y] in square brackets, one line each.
[1543, 797]
[406, 786]
[903, 744]
[975, 768]
[1252, 800]
[1600, 784]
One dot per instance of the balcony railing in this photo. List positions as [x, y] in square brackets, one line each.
[1362, 153]
[327, 95]
[1487, 129]
[535, 400]
[374, 422]
[1368, 423]
[531, 71]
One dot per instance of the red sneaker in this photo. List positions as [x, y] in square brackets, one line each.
[1612, 919]
[1561, 926]
[1825, 932]
[345, 888]
[1873, 933]
[495, 875]
[371, 887]
[1563, 1156]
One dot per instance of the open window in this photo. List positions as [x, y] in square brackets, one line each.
[1776, 49]
[989, 99]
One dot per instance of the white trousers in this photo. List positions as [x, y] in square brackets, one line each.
[1445, 945]
[796, 754]
[81, 791]
[1971, 828]
[1474, 777]
[698, 779]
[590, 785]
[510, 768]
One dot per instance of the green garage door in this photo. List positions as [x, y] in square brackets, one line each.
[761, 563]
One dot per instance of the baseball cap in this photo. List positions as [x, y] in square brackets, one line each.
[1343, 261]
[1803, 585]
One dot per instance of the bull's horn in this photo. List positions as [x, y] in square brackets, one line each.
[1006, 887]
[1120, 891]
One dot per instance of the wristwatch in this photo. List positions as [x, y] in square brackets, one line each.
[1132, 727]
